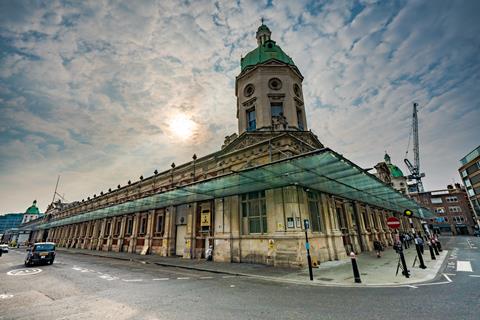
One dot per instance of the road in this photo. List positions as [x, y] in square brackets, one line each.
[85, 287]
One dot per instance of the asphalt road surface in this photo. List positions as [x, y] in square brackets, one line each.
[85, 287]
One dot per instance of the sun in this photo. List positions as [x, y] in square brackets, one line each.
[182, 127]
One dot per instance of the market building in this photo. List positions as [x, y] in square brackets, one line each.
[249, 200]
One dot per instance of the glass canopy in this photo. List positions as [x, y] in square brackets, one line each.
[323, 170]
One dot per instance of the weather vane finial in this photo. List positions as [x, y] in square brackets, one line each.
[262, 19]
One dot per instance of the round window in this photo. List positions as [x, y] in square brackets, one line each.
[275, 84]
[297, 90]
[249, 90]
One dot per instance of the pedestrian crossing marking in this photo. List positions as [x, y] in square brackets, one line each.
[464, 266]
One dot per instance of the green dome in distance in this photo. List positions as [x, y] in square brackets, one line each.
[33, 208]
[394, 170]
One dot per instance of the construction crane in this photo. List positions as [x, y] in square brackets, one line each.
[415, 174]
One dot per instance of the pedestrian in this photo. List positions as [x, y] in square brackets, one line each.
[419, 242]
[378, 247]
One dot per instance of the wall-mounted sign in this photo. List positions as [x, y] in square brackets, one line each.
[290, 222]
[298, 222]
[205, 218]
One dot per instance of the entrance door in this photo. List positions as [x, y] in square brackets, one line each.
[180, 240]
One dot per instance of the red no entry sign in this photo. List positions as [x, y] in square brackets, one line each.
[393, 223]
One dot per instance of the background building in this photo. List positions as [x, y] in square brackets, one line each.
[452, 208]
[9, 221]
[10, 224]
[470, 173]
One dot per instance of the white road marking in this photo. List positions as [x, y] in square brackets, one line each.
[225, 277]
[132, 280]
[23, 272]
[474, 275]
[183, 278]
[410, 286]
[447, 277]
[161, 279]
[6, 296]
[232, 286]
[464, 266]
[108, 277]
[206, 277]
[451, 274]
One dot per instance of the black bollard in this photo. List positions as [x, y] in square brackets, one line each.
[356, 274]
[432, 254]
[420, 257]
[434, 244]
[405, 271]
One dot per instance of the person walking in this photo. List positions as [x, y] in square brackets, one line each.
[378, 247]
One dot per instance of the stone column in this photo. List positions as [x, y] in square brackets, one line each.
[101, 234]
[110, 233]
[367, 246]
[334, 236]
[133, 238]
[351, 227]
[93, 239]
[381, 231]
[121, 235]
[149, 231]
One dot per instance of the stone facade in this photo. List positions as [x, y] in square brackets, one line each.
[256, 227]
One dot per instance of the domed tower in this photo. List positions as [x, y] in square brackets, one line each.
[269, 89]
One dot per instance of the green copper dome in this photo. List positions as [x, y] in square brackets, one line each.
[33, 208]
[267, 50]
[395, 171]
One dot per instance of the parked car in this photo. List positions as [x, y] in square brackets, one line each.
[4, 248]
[40, 253]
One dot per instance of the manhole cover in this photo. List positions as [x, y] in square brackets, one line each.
[23, 272]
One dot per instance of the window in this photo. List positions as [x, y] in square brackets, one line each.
[452, 199]
[118, 226]
[475, 179]
[108, 225]
[458, 219]
[300, 120]
[251, 120]
[254, 212]
[129, 226]
[436, 200]
[315, 211]
[143, 225]
[467, 183]
[159, 223]
[277, 109]
[439, 210]
[455, 209]
[473, 168]
[464, 173]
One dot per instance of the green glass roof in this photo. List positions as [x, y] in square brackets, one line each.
[323, 170]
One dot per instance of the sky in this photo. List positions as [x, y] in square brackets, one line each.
[93, 90]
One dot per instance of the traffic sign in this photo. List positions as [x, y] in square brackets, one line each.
[408, 213]
[393, 223]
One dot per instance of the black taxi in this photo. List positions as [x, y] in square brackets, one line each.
[40, 253]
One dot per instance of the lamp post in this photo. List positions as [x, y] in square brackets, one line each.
[306, 224]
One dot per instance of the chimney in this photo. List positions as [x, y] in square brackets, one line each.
[458, 186]
[449, 187]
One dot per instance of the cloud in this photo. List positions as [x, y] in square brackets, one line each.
[87, 89]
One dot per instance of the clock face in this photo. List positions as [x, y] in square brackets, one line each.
[275, 84]
[297, 90]
[249, 90]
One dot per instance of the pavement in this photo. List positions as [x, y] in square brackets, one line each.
[80, 286]
[374, 271]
